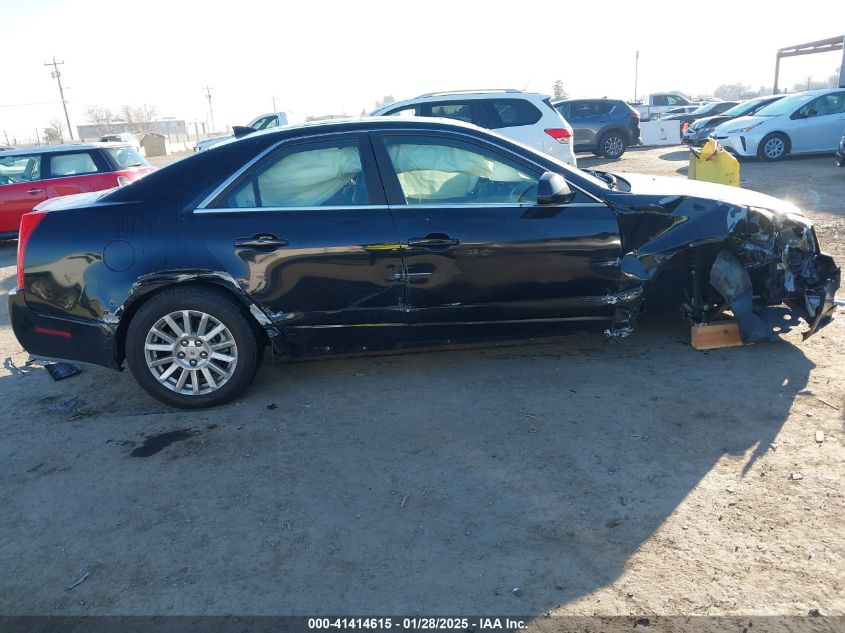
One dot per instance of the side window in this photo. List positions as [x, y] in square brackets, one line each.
[662, 100]
[312, 175]
[72, 164]
[15, 169]
[824, 105]
[512, 113]
[563, 109]
[265, 122]
[445, 171]
[579, 110]
[459, 111]
[402, 112]
[602, 107]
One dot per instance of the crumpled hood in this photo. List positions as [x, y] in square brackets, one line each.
[667, 186]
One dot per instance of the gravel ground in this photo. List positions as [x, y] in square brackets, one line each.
[568, 476]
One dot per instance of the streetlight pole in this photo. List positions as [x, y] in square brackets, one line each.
[57, 75]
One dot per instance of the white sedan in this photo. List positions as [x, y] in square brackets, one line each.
[804, 123]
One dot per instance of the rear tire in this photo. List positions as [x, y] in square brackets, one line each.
[773, 147]
[192, 348]
[613, 144]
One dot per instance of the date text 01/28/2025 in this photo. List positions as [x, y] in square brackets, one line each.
[417, 623]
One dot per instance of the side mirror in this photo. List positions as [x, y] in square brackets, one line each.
[552, 189]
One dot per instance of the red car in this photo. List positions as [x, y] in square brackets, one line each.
[30, 176]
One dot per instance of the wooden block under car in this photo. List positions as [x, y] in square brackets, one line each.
[716, 335]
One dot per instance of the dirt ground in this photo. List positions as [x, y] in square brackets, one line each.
[569, 476]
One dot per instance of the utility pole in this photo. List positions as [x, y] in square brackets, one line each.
[274, 103]
[57, 75]
[210, 108]
[636, 72]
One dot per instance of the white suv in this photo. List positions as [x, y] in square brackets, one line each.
[526, 117]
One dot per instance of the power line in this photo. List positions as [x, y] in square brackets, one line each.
[57, 75]
[23, 105]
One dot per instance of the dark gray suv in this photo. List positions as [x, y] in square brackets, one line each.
[606, 127]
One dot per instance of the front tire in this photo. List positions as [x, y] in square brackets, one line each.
[773, 147]
[613, 144]
[192, 348]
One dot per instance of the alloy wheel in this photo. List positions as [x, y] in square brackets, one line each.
[190, 352]
[774, 148]
[613, 146]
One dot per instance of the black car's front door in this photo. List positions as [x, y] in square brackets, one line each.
[306, 232]
[478, 249]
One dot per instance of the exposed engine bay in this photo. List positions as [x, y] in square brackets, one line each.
[707, 257]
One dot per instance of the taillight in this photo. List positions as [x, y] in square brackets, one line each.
[635, 115]
[560, 134]
[28, 223]
[122, 181]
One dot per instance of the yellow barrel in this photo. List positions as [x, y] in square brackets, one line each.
[713, 164]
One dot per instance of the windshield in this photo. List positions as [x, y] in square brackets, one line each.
[704, 109]
[125, 157]
[784, 106]
[741, 108]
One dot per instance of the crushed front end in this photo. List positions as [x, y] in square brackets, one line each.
[777, 256]
[710, 256]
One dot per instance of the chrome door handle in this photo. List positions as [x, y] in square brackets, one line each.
[263, 241]
[34, 190]
[433, 240]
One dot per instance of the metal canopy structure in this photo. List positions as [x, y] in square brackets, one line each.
[820, 46]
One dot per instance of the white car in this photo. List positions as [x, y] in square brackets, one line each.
[263, 122]
[804, 123]
[526, 117]
[122, 137]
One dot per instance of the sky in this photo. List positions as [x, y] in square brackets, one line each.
[329, 57]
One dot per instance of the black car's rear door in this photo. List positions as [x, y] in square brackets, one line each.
[306, 232]
[476, 246]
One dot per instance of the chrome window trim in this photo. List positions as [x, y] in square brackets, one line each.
[394, 207]
[332, 207]
[210, 198]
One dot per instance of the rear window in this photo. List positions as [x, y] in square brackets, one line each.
[72, 164]
[124, 157]
[513, 112]
[584, 109]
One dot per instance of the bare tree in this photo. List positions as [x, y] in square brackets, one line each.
[53, 133]
[103, 118]
[731, 91]
[385, 100]
[559, 91]
[139, 119]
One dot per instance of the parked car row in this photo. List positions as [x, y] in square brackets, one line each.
[701, 128]
[771, 128]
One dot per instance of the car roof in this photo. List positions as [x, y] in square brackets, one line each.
[66, 147]
[352, 123]
[457, 95]
[205, 170]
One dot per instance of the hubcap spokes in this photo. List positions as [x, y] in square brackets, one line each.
[613, 146]
[774, 148]
[191, 352]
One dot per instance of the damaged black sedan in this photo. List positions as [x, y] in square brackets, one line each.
[374, 234]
